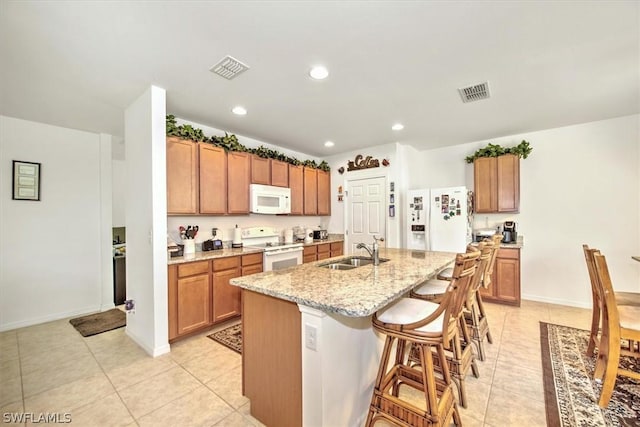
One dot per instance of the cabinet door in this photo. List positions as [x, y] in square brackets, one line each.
[182, 174]
[508, 186]
[239, 177]
[337, 248]
[213, 179]
[226, 297]
[507, 286]
[310, 178]
[279, 173]
[260, 170]
[324, 251]
[193, 303]
[324, 193]
[252, 269]
[309, 254]
[485, 184]
[297, 189]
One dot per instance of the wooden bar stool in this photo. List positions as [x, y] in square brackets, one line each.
[431, 328]
[460, 359]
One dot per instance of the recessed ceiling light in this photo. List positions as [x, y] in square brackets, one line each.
[397, 126]
[240, 111]
[319, 72]
[329, 144]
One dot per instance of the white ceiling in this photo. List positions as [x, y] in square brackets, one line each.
[549, 63]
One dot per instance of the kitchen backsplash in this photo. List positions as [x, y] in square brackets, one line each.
[226, 224]
[494, 221]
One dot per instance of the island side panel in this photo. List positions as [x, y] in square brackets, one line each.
[272, 359]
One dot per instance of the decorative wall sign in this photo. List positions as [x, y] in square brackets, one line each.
[26, 180]
[341, 170]
[361, 162]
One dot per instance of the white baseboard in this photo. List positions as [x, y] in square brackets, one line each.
[153, 352]
[556, 301]
[49, 318]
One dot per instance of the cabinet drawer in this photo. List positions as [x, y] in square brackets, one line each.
[309, 250]
[325, 247]
[510, 253]
[336, 246]
[252, 259]
[192, 268]
[226, 263]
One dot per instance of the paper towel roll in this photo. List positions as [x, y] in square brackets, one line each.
[237, 237]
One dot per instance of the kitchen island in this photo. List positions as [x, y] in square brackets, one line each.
[310, 354]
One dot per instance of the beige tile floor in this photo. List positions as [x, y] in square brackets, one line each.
[107, 380]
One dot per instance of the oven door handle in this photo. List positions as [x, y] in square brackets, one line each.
[282, 251]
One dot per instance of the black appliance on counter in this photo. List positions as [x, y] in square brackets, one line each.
[320, 234]
[509, 233]
[211, 245]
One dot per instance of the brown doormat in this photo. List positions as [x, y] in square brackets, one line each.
[571, 393]
[98, 323]
[229, 337]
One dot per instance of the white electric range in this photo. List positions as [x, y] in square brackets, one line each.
[277, 255]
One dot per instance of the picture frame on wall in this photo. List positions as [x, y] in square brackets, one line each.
[26, 180]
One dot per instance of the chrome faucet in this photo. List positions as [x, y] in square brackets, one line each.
[374, 253]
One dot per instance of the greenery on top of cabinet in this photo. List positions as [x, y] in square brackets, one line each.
[230, 143]
[494, 150]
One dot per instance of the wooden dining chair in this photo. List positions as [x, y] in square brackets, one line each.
[618, 323]
[622, 298]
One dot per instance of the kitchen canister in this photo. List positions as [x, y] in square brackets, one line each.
[189, 246]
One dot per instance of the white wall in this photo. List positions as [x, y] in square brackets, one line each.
[392, 173]
[146, 221]
[51, 252]
[581, 184]
[118, 192]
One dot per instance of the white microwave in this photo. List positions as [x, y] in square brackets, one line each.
[267, 199]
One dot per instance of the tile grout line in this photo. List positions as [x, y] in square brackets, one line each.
[110, 382]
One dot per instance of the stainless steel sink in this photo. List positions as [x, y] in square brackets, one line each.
[338, 266]
[350, 263]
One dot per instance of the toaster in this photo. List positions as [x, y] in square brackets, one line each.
[320, 234]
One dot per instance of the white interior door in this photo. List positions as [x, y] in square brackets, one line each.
[366, 212]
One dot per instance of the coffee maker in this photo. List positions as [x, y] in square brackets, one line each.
[509, 233]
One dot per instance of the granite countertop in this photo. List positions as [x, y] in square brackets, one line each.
[332, 239]
[359, 292]
[518, 244]
[220, 253]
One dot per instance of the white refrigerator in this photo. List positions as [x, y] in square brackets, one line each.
[439, 219]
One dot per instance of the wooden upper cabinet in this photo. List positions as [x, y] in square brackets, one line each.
[260, 170]
[182, 176]
[310, 179]
[497, 184]
[279, 173]
[324, 193]
[239, 177]
[213, 179]
[296, 185]
[508, 183]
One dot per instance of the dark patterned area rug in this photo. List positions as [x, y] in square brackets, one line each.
[571, 393]
[98, 323]
[230, 337]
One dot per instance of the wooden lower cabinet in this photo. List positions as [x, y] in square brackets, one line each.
[337, 249]
[226, 297]
[324, 251]
[309, 254]
[200, 294]
[505, 281]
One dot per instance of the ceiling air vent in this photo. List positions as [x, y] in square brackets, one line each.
[475, 92]
[229, 67]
